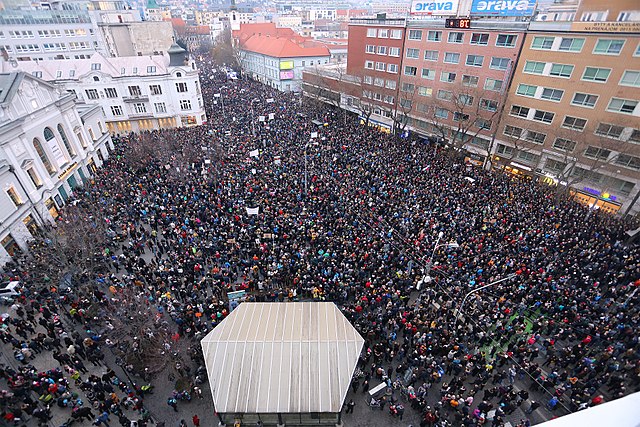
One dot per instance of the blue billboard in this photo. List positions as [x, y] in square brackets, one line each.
[503, 7]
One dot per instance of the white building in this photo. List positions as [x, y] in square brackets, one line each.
[135, 93]
[49, 145]
[278, 61]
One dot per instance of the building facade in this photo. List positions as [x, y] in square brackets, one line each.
[572, 114]
[49, 145]
[136, 93]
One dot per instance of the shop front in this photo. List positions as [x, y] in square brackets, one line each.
[595, 199]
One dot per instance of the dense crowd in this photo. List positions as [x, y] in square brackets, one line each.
[351, 215]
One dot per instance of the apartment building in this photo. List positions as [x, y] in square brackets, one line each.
[44, 158]
[572, 115]
[136, 93]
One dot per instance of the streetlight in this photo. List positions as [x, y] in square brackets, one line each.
[427, 278]
[306, 146]
[511, 276]
[253, 117]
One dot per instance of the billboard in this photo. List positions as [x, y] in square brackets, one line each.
[435, 7]
[286, 65]
[286, 75]
[503, 7]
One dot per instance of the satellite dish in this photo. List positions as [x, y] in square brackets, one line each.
[13, 63]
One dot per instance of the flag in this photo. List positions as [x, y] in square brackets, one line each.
[254, 153]
[253, 211]
[314, 134]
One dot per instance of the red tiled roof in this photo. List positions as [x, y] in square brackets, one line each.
[178, 22]
[265, 29]
[282, 47]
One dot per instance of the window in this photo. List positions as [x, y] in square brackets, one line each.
[390, 84]
[475, 60]
[65, 140]
[551, 94]
[388, 99]
[451, 57]
[499, 63]
[410, 71]
[609, 130]
[630, 78]
[383, 33]
[72, 73]
[382, 50]
[552, 165]
[371, 32]
[92, 94]
[428, 74]
[368, 80]
[425, 91]
[408, 87]
[564, 144]
[534, 67]
[596, 74]
[58, 74]
[447, 77]
[505, 150]
[394, 51]
[434, 36]
[455, 37]
[635, 136]
[368, 65]
[526, 90]
[181, 87]
[116, 110]
[135, 91]
[370, 49]
[378, 82]
[431, 55]
[628, 161]
[561, 70]
[155, 89]
[413, 53]
[392, 68]
[465, 99]
[513, 131]
[441, 113]
[405, 103]
[608, 47]
[540, 42]
[519, 111]
[543, 116]
[597, 153]
[471, 81]
[574, 123]
[13, 195]
[35, 179]
[506, 40]
[619, 105]
[570, 44]
[445, 95]
[493, 85]
[489, 105]
[110, 92]
[480, 39]
[415, 34]
[185, 104]
[396, 34]
[460, 117]
[96, 66]
[151, 69]
[43, 156]
[483, 124]
[380, 66]
[535, 137]
[139, 108]
[584, 99]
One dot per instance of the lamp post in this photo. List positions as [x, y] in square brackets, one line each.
[306, 146]
[253, 118]
[511, 276]
[427, 278]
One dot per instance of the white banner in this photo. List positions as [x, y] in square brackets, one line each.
[58, 155]
[269, 100]
[253, 211]
[261, 119]
[435, 7]
[254, 153]
[314, 134]
[271, 116]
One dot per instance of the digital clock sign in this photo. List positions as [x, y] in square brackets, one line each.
[458, 23]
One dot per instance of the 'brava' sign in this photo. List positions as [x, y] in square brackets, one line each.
[503, 7]
[435, 7]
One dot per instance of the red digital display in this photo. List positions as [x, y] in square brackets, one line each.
[458, 23]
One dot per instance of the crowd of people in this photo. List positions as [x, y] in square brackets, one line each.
[395, 231]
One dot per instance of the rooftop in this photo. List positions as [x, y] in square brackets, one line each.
[283, 47]
[294, 357]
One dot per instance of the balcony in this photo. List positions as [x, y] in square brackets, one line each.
[136, 98]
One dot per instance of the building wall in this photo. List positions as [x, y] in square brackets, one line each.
[614, 174]
[605, 10]
[137, 38]
[267, 69]
[39, 200]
